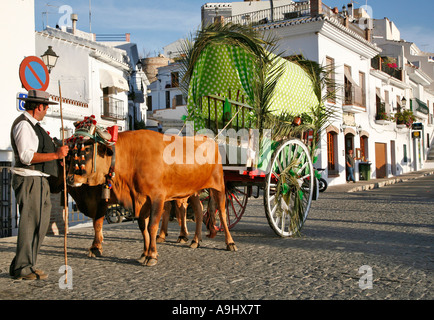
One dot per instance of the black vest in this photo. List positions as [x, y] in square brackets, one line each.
[46, 145]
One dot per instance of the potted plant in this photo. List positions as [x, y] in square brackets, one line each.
[404, 118]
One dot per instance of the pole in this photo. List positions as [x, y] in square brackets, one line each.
[65, 191]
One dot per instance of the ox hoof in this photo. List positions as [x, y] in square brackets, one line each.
[150, 262]
[142, 259]
[194, 245]
[231, 247]
[182, 239]
[160, 239]
[94, 253]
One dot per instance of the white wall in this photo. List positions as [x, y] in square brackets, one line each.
[79, 78]
[17, 25]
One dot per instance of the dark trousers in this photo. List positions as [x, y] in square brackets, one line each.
[33, 198]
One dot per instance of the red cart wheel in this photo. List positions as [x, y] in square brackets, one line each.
[236, 202]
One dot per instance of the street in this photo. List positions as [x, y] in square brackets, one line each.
[354, 246]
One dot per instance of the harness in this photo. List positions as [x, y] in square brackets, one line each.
[87, 131]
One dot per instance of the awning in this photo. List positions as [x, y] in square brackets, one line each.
[347, 74]
[421, 106]
[110, 79]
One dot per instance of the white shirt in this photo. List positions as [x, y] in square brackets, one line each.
[27, 143]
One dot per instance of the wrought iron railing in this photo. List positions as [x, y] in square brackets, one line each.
[112, 108]
[355, 95]
[281, 13]
[379, 63]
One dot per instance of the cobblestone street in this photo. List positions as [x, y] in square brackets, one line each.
[389, 231]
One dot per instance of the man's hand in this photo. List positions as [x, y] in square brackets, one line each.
[62, 152]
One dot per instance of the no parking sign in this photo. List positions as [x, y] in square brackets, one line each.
[34, 74]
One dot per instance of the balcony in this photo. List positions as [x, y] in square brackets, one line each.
[387, 65]
[286, 12]
[112, 108]
[382, 117]
[354, 100]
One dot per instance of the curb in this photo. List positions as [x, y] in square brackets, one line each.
[391, 181]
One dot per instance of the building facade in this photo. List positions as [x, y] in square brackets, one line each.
[378, 76]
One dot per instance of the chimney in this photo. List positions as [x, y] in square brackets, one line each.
[368, 34]
[350, 9]
[315, 8]
[74, 18]
[127, 37]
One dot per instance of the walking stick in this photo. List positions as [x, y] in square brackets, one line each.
[65, 192]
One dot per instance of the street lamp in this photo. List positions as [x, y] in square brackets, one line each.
[50, 58]
[403, 102]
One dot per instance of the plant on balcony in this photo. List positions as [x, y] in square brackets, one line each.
[381, 116]
[390, 62]
[404, 117]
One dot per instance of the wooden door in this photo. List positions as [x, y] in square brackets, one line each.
[380, 159]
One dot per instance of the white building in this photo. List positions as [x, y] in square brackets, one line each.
[17, 25]
[20, 44]
[167, 104]
[93, 78]
[344, 40]
[352, 43]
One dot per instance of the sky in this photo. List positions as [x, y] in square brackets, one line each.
[154, 24]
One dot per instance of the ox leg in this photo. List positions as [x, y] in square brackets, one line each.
[198, 217]
[164, 223]
[210, 217]
[143, 222]
[220, 199]
[156, 212]
[181, 215]
[96, 249]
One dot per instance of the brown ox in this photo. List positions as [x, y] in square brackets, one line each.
[146, 177]
[89, 201]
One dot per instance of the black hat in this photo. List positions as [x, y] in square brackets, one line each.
[38, 96]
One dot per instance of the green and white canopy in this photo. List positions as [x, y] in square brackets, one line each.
[229, 71]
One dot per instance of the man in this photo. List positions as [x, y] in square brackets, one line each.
[349, 160]
[35, 159]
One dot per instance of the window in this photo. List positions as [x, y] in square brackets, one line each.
[348, 85]
[149, 103]
[387, 102]
[380, 106]
[332, 165]
[174, 79]
[111, 107]
[405, 153]
[364, 148]
[398, 104]
[330, 69]
[178, 100]
[167, 99]
[362, 98]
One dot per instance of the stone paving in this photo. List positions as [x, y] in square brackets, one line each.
[347, 237]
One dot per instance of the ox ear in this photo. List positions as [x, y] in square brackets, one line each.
[104, 150]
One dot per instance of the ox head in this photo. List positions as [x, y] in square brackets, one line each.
[89, 161]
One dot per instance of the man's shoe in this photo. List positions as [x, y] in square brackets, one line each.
[30, 276]
[41, 275]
